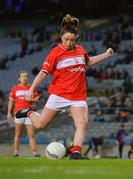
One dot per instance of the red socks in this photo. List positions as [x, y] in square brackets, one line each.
[75, 149]
[29, 113]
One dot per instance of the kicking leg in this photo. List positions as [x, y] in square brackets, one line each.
[43, 119]
[39, 120]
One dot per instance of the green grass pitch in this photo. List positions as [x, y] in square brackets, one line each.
[42, 168]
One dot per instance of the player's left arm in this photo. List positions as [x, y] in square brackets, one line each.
[98, 58]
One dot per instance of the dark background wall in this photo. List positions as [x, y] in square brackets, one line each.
[56, 8]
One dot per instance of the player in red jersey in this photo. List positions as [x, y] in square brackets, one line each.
[17, 101]
[66, 63]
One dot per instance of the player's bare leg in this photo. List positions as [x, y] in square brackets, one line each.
[31, 134]
[43, 119]
[80, 117]
[18, 133]
[39, 120]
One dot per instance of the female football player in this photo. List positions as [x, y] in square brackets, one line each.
[17, 101]
[66, 63]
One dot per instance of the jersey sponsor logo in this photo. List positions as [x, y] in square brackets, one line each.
[79, 69]
[22, 92]
[71, 61]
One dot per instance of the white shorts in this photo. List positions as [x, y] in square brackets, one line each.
[58, 103]
[25, 121]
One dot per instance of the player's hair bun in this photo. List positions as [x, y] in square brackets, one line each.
[70, 20]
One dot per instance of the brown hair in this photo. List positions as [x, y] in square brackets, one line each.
[69, 24]
[22, 72]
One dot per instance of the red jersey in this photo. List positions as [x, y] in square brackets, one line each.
[18, 94]
[68, 70]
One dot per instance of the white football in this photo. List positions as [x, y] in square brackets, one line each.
[55, 150]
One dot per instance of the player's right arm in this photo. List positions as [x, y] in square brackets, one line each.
[10, 108]
[37, 81]
[11, 102]
[47, 68]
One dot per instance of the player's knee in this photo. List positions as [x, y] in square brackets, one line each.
[38, 125]
[17, 135]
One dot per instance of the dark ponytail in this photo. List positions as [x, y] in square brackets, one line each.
[69, 24]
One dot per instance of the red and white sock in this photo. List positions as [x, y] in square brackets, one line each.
[29, 113]
[75, 149]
